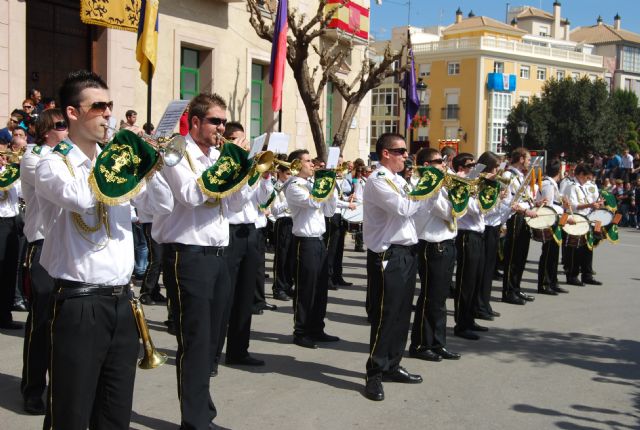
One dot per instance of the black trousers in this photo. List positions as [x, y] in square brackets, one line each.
[259, 299]
[392, 280]
[334, 241]
[516, 250]
[243, 259]
[580, 261]
[94, 347]
[469, 271]
[8, 266]
[35, 357]
[435, 270]
[548, 264]
[312, 284]
[197, 281]
[491, 244]
[20, 294]
[284, 259]
[150, 283]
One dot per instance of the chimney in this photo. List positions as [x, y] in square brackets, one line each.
[599, 20]
[471, 14]
[567, 30]
[555, 32]
[458, 15]
[617, 22]
[514, 23]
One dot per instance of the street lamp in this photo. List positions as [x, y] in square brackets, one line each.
[422, 90]
[522, 131]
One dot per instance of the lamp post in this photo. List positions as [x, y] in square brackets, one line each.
[522, 131]
[422, 90]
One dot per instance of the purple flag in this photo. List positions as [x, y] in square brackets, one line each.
[413, 101]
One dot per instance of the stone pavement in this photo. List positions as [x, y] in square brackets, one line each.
[566, 362]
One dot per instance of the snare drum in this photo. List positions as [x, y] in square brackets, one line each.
[354, 218]
[577, 233]
[542, 225]
[603, 218]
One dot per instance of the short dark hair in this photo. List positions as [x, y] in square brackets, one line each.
[297, 154]
[74, 84]
[200, 104]
[460, 160]
[424, 155]
[48, 100]
[32, 92]
[490, 160]
[130, 112]
[515, 155]
[553, 167]
[385, 141]
[232, 127]
[46, 123]
[448, 151]
[148, 127]
[584, 169]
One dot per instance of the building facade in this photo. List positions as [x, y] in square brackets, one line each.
[202, 46]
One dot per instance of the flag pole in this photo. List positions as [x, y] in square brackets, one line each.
[149, 79]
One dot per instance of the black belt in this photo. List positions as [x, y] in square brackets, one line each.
[477, 233]
[442, 242]
[306, 239]
[197, 249]
[67, 289]
[38, 242]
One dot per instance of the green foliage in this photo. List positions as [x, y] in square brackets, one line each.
[632, 137]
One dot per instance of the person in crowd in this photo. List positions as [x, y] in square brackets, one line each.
[36, 96]
[6, 134]
[284, 256]
[131, 117]
[626, 165]
[48, 103]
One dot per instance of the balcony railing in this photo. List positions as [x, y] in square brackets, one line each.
[451, 112]
[507, 46]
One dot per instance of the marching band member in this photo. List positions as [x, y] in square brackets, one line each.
[195, 236]
[359, 181]
[469, 258]
[390, 237]
[548, 264]
[51, 129]
[93, 334]
[436, 231]
[311, 274]
[580, 259]
[564, 187]
[518, 233]
[283, 261]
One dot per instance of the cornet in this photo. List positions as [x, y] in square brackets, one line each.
[12, 156]
[152, 357]
[294, 166]
[170, 148]
[263, 160]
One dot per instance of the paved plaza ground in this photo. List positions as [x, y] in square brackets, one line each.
[566, 362]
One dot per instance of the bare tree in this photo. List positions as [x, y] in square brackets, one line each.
[305, 38]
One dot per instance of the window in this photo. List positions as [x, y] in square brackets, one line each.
[498, 112]
[524, 99]
[498, 67]
[525, 72]
[384, 102]
[257, 99]
[451, 133]
[453, 68]
[379, 127]
[452, 110]
[328, 133]
[543, 31]
[575, 76]
[630, 60]
[560, 75]
[424, 69]
[541, 74]
[189, 73]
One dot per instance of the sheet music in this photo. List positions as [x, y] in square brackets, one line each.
[475, 172]
[332, 158]
[257, 145]
[170, 118]
[279, 143]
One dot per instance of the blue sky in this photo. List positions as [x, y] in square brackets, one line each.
[393, 13]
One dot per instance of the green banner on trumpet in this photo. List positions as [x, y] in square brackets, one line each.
[323, 184]
[488, 194]
[9, 176]
[459, 193]
[232, 170]
[429, 183]
[610, 202]
[121, 168]
[611, 233]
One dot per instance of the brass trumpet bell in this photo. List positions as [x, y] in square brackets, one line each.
[263, 161]
[152, 357]
[173, 150]
[12, 156]
[294, 166]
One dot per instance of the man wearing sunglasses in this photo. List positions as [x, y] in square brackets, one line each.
[436, 257]
[88, 251]
[390, 236]
[14, 121]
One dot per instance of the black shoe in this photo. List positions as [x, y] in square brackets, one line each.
[158, 297]
[591, 281]
[495, 314]
[498, 276]
[466, 334]
[361, 249]
[281, 295]
[513, 299]
[558, 289]
[305, 342]
[19, 307]
[373, 389]
[548, 291]
[476, 327]
[324, 337]
[257, 311]
[146, 299]
[11, 325]
[485, 317]
[34, 406]
[244, 361]
[171, 328]
[213, 373]
[525, 296]
[426, 355]
[402, 376]
[290, 292]
[446, 354]
[342, 283]
[575, 281]
[332, 287]
[270, 307]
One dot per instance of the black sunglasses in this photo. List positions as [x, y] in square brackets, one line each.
[469, 165]
[398, 151]
[27, 107]
[436, 161]
[100, 106]
[216, 121]
[60, 125]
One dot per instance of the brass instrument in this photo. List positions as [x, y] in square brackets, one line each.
[450, 178]
[525, 183]
[497, 178]
[170, 148]
[294, 166]
[12, 156]
[152, 357]
[341, 169]
[263, 160]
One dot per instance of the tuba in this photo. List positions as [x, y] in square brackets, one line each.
[152, 357]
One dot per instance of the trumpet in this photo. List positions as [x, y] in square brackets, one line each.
[294, 166]
[170, 148]
[263, 160]
[341, 169]
[152, 357]
[12, 156]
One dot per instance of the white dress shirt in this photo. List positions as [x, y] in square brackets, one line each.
[551, 193]
[279, 206]
[517, 177]
[33, 222]
[256, 195]
[578, 195]
[341, 190]
[388, 212]
[10, 199]
[435, 223]
[196, 219]
[473, 218]
[307, 214]
[565, 185]
[71, 254]
[627, 161]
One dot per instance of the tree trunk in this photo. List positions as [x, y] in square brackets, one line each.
[340, 137]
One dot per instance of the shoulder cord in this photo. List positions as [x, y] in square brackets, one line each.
[208, 203]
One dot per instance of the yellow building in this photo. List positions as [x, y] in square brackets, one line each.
[479, 68]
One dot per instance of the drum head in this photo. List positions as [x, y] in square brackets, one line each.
[546, 218]
[580, 228]
[604, 216]
[354, 215]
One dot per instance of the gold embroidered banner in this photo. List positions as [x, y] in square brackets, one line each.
[118, 14]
